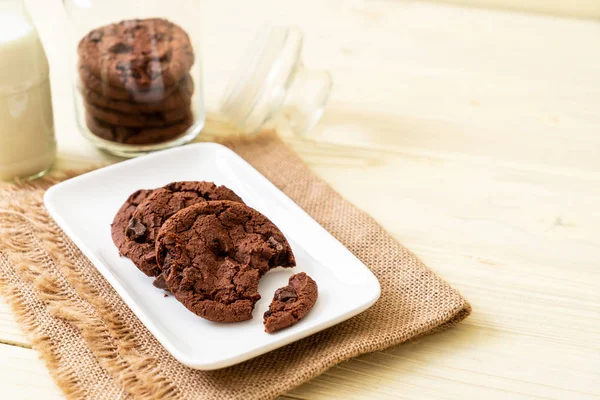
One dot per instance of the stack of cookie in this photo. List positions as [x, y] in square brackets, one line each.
[209, 249]
[135, 81]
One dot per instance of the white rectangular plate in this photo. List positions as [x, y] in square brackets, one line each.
[85, 206]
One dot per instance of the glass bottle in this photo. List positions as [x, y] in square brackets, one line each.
[27, 143]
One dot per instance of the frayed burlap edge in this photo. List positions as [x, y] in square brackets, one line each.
[38, 260]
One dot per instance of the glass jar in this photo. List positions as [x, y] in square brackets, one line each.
[27, 144]
[271, 83]
[137, 74]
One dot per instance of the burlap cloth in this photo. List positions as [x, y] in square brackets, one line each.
[95, 347]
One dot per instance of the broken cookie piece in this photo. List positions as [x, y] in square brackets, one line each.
[291, 303]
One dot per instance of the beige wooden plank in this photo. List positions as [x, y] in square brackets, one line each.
[529, 271]
[10, 333]
[568, 8]
[24, 376]
[408, 371]
[436, 367]
[440, 79]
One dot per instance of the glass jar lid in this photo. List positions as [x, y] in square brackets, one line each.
[271, 79]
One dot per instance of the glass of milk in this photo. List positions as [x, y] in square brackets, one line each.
[27, 143]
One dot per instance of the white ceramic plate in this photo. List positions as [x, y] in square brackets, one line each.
[85, 206]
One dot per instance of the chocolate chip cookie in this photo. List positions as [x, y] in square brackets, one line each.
[93, 83]
[180, 99]
[137, 54]
[150, 120]
[123, 216]
[213, 254]
[127, 135]
[291, 303]
[158, 207]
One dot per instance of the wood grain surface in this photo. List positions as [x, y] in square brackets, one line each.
[589, 9]
[473, 137]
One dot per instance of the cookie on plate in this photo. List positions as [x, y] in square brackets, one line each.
[127, 135]
[157, 208]
[138, 54]
[291, 303]
[213, 254]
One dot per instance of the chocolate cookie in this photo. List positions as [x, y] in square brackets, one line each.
[102, 88]
[121, 220]
[160, 206]
[291, 303]
[150, 120]
[121, 134]
[138, 54]
[213, 254]
[179, 99]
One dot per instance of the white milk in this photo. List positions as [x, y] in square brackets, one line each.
[27, 144]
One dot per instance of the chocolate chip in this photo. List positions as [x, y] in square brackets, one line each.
[167, 56]
[280, 255]
[218, 247]
[96, 36]
[158, 36]
[167, 263]
[273, 242]
[135, 230]
[150, 257]
[285, 295]
[119, 48]
[160, 282]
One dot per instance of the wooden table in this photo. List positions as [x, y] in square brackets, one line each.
[473, 136]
